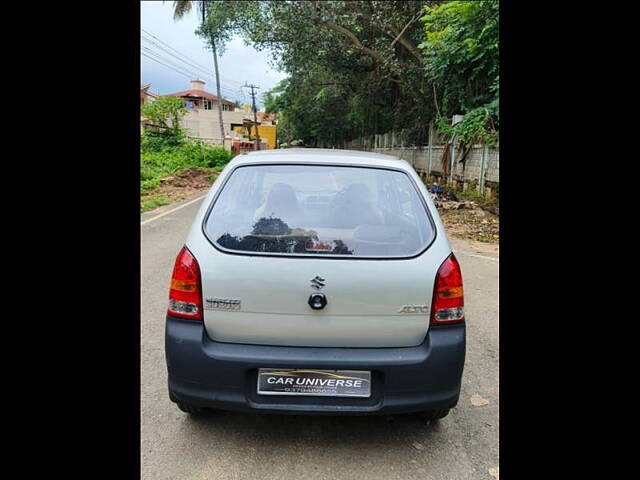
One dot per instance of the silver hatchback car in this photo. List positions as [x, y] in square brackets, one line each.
[316, 282]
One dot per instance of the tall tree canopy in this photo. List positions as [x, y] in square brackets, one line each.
[461, 51]
[355, 68]
[462, 63]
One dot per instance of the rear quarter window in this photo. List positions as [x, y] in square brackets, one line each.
[319, 210]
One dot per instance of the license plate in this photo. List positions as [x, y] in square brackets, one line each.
[324, 383]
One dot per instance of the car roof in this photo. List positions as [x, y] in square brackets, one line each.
[320, 155]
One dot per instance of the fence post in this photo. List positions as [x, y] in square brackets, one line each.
[430, 148]
[453, 158]
[454, 120]
[482, 168]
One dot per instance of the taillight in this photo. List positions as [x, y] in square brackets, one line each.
[448, 297]
[185, 293]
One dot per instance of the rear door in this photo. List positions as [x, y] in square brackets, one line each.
[278, 234]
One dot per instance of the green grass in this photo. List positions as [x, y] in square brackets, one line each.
[159, 200]
[153, 202]
[157, 163]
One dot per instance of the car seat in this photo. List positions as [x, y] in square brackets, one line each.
[281, 203]
[354, 207]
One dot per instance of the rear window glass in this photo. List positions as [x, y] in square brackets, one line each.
[319, 210]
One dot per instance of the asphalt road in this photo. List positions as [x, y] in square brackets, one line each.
[227, 445]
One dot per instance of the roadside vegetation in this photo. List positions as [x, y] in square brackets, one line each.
[473, 195]
[172, 165]
[160, 161]
[170, 171]
[361, 68]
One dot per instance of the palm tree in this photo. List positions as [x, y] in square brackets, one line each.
[180, 9]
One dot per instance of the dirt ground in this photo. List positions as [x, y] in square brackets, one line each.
[474, 224]
[183, 184]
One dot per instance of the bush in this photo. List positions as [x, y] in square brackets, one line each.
[158, 141]
[162, 156]
[474, 195]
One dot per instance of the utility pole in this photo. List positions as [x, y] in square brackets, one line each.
[255, 114]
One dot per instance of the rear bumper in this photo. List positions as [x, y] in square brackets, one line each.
[223, 375]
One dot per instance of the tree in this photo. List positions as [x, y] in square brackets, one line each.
[461, 40]
[180, 9]
[166, 112]
[461, 53]
[356, 64]
[358, 68]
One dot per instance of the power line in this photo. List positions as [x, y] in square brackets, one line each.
[193, 68]
[193, 73]
[171, 62]
[183, 57]
[173, 49]
[227, 90]
[190, 66]
[179, 69]
[167, 52]
[161, 63]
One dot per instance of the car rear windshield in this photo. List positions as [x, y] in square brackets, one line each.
[320, 210]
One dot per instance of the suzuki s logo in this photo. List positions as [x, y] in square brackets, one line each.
[317, 282]
[414, 309]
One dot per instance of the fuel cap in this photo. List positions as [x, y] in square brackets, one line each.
[317, 301]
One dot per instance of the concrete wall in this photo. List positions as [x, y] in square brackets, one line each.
[418, 157]
[204, 124]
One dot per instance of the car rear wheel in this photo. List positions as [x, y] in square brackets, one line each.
[433, 415]
[190, 409]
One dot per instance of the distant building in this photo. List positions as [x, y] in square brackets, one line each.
[196, 98]
[266, 118]
[268, 133]
[202, 121]
[145, 94]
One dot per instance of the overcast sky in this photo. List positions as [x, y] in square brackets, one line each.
[238, 64]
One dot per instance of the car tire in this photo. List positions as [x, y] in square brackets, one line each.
[190, 409]
[434, 415]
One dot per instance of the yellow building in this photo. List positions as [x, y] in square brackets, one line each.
[267, 134]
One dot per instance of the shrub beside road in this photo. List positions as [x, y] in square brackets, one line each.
[173, 167]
